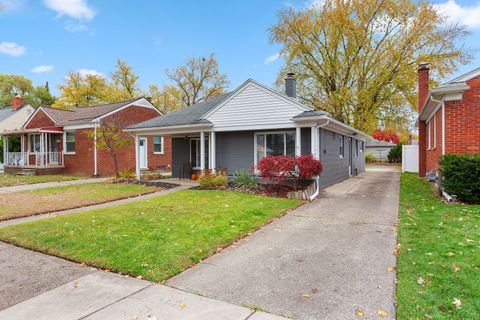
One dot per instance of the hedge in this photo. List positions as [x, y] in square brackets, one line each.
[461, 176]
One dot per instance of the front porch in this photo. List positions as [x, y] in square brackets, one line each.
[35, 152]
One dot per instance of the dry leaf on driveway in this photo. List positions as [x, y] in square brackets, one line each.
[359, 313]
[382, 313]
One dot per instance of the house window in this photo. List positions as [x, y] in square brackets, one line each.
[274, 144]
[195, 153]
[34, 141]
[434, 131]
[158, 145]
[356, 148]
[342, 147]
[362, 146]
[70, 142]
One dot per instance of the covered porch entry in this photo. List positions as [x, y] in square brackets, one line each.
[33, 151]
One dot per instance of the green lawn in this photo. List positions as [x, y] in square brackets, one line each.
[27, 203]
[155, 238]
[439, 255]
[8, 180]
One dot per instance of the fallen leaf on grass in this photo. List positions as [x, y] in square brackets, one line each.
[450, 254]
[429, 316]
[457, 303]
[456, 269]
[359, 313]
[420, 281]
[382, 313]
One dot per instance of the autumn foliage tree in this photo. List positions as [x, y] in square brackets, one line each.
[358, 60]
[386, 135]
[111, 138]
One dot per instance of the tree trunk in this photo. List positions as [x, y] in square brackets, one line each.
[115, 162]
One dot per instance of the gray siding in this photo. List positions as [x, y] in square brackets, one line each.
[235, 150]
[180, 154]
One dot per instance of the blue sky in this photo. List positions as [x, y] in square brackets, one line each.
[43, 40]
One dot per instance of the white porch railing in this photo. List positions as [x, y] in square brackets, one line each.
[39, 159]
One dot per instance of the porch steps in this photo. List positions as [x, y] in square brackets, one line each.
[26, 172]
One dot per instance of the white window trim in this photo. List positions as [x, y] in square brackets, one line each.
[435, 131]
[30, 140]
[255, 148]
[342, 153]
[162, 142]
[65, 143]
[190, 151]
[429, 136]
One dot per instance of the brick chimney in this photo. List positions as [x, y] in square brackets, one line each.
[423, 92]
[291, 85]
[423, 79]
[17, 102]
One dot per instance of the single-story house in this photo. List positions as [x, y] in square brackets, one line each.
[379, 148]
[63, 141]
[14, 116]
[235, 131]
[449, 118]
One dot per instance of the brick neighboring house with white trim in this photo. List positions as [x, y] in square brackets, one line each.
[61, 141]
[449, 118]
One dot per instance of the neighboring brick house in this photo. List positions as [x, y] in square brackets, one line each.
[58, 140]
[449, 118]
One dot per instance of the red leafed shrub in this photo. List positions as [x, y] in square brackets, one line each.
[308, 167]
[279, 168]
[386, 135]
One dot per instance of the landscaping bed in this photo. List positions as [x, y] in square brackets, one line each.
[156, 238]
[438, 255]
[27, 203]
[7, 180]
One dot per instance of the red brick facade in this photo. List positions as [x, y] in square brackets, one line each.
[462, 128]
[423, 88]
[82, 161]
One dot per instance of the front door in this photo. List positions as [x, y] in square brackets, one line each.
[350, 156]
[142, 153]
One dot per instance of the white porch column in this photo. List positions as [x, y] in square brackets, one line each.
[298, 142]
[213, 151]
[137, 158]
[42, 149]
[314, 141]
[95, 171]
[5, 149]
[202, 150]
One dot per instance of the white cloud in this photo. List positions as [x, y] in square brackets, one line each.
[76, 9]
[42, 69]
[12, 49]
[85, 72]
[462, 14]
[12, 5]
[272, 58]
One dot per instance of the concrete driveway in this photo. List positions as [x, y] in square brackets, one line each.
[327, 260]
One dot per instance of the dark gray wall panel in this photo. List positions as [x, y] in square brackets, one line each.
[235, 150]
[180, 154]
[306, 141]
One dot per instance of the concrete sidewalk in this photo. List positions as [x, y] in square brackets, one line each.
[44, 185]
[99, 295]
[328, 259]
[92, 207]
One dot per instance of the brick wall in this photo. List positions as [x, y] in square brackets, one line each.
[423, 91]
[40, 120]
[434, 154]
[462, 132]
[82, 162]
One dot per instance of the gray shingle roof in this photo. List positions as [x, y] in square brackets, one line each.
[185, 116]
[83, 114]
[312, 113]
[5, 113]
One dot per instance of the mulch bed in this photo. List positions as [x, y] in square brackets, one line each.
[263, 190]
[160, 184]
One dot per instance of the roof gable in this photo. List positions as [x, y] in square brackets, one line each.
[465, 77]
[253, 104]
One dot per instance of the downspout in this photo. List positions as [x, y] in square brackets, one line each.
[317, 155]
[95, 167]
[443, 122]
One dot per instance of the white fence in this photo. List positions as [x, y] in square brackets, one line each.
[410, 158]
[38, 159]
